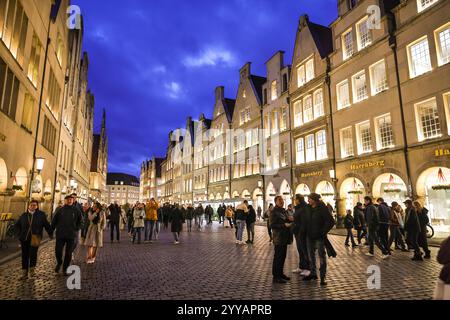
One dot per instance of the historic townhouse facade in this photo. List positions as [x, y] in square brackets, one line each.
[368, 113]
[220, 148]
[25, 27]
[276, 124]
[187, 163]
[99, 164]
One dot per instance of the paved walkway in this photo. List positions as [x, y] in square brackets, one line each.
[208, 265]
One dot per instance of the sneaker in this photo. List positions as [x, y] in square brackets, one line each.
[305, 273]
[310, 277]
[370, 254]
[298, 270]
[176, 242]
[385, 256]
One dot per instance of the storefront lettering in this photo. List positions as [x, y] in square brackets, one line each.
[442, 152]
[370, 164]
[311, 174]
[2, 137]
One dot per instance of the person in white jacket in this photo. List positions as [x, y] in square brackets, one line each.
[138, 215]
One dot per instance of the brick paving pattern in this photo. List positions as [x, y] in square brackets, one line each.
[208, 265]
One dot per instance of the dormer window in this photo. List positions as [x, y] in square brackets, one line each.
[351, 4]
[364, 36]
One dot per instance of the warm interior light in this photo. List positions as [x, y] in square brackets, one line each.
[332, 174]
[40, 164]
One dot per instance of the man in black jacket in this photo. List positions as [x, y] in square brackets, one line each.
[31, 223]
[115, 214]
[299, 230]
[372, 220]
[67, 222]
[359, 223]
[412, 229]
[383, 230]
[320, 221]
[281, 224]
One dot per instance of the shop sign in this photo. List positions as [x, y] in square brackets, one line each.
[442, 152]
[365, 165]
[311, 174]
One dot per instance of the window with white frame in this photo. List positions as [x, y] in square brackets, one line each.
[301, 76]
[364, 137]
[378, 79]
[364, 37]
[347, 142]
[242, 117]
[442, 36]
[266, 125]
[300, 151]
[447, 109]
[274, 94]
[248, 138]
[359, 86]
[255, 136]
[309, 70]
[343, 94]
[310, 148]
[347, 44]
[276, 158]
[284, 154]
[427, 118]
[247, 114]
[419, 57]
[318, 104]
[298, 113]
[307, 109]
[283, 119]
[385, 135]
[424, 4]
[321, 145]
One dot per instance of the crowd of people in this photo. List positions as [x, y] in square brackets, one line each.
[307, 223]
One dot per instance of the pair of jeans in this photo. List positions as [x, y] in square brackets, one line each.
[137, 231]
[176, 236]
[374, 239]
[362, 233]
[29, 255]
[68, 245]
[157, 229]
[115, 225]
[279, 258]
[383, 234]
[148, 231]
[318, 245]
[302, 250]
[397, 236]
[251, 231]
[189, 225]
[240, 230]
[350, 237]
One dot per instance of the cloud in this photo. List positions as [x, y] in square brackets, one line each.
[173, 89]
[211, 57]
[159, 69]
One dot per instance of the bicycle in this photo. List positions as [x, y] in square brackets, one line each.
[430, 231]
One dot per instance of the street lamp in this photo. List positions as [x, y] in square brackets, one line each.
[40, 164]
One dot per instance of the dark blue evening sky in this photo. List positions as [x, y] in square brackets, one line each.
[155, 62]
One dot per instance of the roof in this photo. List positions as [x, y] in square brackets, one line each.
[127, 179]
[322, 37]
[258, 83]
[229, 108]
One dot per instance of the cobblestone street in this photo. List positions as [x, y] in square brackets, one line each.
[208, 265]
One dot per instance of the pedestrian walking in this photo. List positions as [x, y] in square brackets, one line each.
[151, 216]
[94, 236]
[319, 222]
[158, 223]
[176, 223]
[67, 223]
[281, 224]
[301, 209]
[359, 222]
[348, 224]
[442, 291]
[412, 229]
[166, 215]
[138, 226]
[130, 220]
[29, 230]
[266, 217]
[383, 215]
[372, 220]
[209, 213]
[79, 207]
[199, 216]
[259, 213]
[250, 223]
[395, 223]
[241, 217]
[422, 214]
[229, 215]
[189, 217]
[85, 220]
[115, 214]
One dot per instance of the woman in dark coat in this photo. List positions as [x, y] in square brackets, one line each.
[412, 228]
[250, 221]
[176, 223]
[31, 225]
[422, 214]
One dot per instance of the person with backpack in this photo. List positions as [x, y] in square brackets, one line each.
[371, 216]
[359, 223]
[422, 214]
[348, 224]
